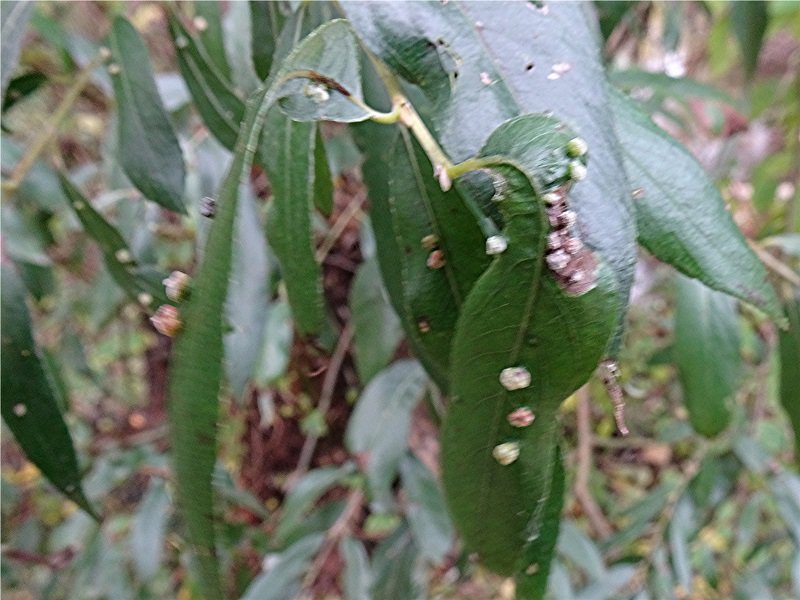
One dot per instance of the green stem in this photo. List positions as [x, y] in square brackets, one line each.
[404, 112]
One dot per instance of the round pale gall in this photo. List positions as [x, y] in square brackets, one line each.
[506, 453]
[577, 170]
[515, 378]
[521, 417]
[496, 244]
[167, 320]
[577, 147]
[176, 285]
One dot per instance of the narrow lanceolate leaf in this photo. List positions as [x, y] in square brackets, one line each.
[789, 346]
[323, 181]
[283, 579]
[707, 354]
[29, 404]
[356, 578]
[531, 331]
[196, 373]
[216, 101]
[534, 568]
[238, 42]
[749, 21]
[288, 155]
[378, 429]
[680, 214]
[148, 530]
[140, 285]
[481, 63]
[376, 328]
[149, 152]
[425, 510]
[335, 51]
[208, 22]
[430, 248]
[266, 20]
[248, 298]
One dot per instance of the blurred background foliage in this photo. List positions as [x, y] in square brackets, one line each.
[663, 513]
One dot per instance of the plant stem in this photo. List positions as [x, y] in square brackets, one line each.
[325, 398]
[51, 126]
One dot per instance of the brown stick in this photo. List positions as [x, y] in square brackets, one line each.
[325, 398]
[584, 466]
[341, 527]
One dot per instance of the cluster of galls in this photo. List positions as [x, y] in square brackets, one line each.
[167, 319]
[572, 264]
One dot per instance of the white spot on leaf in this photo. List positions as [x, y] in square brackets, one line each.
[496, 244]
[506, 453]
[515, 378]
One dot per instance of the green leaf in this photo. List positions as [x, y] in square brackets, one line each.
[681, 531]
[611, 13]
[304, 495]
[247, 305]
[282, 580]
[149, 152]
[378, 428]
[680, 215]
[140, 285]
[22, 86]
[396, 569]
[220, 108]
[278, 336]
[40, 187]
[707, 354]
[377, 329]
[196, 372]
[789, 349]
[238, 42]
[662, 86]
[575, 545]
[425, 510]
[29, 404]
[414, 218]
[288, 154]
[357, 578]
[211, 34]
[323, 181]
[148, 530]
[749, 21]
[334, 51]
[267, 19]
[534, 571]
[14, 16]
[520, 314]
[506, 57]
[22, 241]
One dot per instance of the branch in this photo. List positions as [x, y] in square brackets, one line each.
[340, 528]
[584, 466]
[325, 398]
[51, 126]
